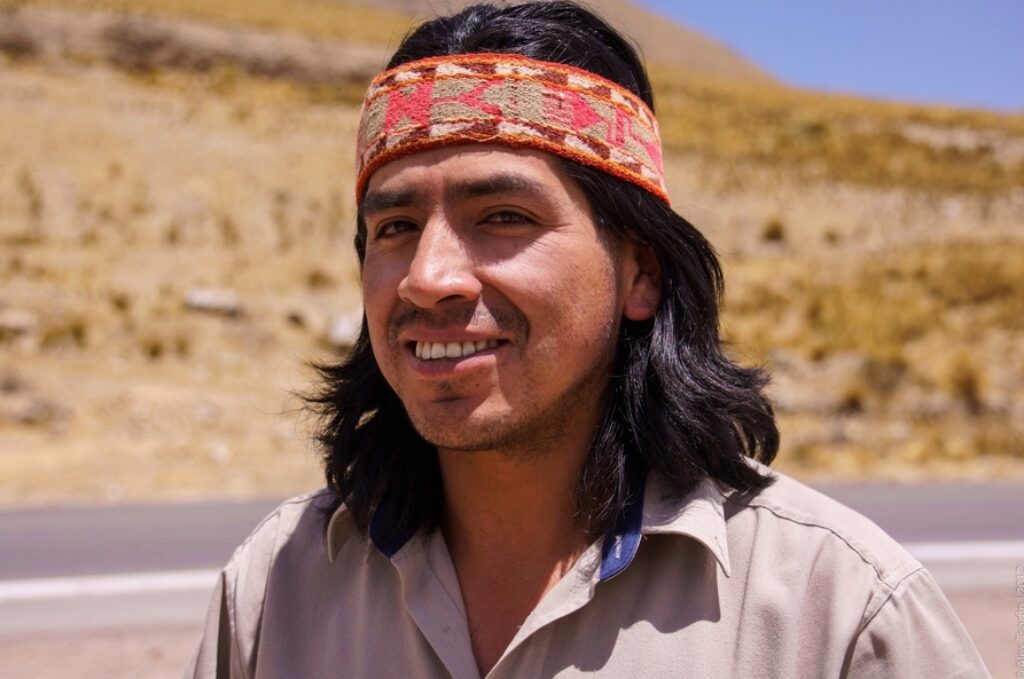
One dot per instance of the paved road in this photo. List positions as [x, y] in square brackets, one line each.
[51, 542]
[939, 512]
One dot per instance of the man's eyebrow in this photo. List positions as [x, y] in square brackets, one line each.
[375, 201]
[501, 182]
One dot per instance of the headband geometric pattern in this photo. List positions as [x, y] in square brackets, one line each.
[510, 100]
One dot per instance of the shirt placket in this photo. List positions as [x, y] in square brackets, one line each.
[570, 594]
[438, 614]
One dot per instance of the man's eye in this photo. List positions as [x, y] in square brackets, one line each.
[394, 228]
[507, 217]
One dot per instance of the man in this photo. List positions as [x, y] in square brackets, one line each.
[539, 461]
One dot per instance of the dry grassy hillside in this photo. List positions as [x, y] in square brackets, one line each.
[661, 41]
[176, 220]
[383, 22]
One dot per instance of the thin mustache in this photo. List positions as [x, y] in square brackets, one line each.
[478, 317]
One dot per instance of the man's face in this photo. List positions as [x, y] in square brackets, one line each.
[492, 301]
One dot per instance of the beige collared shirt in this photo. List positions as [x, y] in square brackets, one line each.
[784, 584]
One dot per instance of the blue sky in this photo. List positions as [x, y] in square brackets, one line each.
[944, 51]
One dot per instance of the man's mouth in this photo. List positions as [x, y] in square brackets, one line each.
[429, 351]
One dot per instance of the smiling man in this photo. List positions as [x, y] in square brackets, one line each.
[539, 460]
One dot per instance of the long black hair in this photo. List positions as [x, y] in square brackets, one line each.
[679, 406]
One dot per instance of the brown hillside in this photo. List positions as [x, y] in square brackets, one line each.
[661, 40]
[176, 223]
[381, 23]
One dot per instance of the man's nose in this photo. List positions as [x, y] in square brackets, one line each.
[441, 269]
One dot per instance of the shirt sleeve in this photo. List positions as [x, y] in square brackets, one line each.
[228, 648]
[215, 657]
[915, 634]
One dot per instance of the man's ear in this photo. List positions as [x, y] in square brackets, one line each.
[642, 282]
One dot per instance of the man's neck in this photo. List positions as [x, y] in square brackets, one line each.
[498, 505]
[512, 531]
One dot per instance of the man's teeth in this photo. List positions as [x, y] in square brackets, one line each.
[431, 350]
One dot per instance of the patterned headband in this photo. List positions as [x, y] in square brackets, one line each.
[511, 100]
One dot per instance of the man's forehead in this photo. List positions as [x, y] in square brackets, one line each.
[460, 175]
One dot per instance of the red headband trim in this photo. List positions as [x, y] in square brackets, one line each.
[511, 100]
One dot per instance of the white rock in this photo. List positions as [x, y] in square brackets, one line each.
[214, 301]
[16, 323]
[343, 330]
[220, 452]
[31, 411]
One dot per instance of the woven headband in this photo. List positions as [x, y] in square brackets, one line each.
[511, 100]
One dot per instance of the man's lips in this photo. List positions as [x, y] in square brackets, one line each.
[428, 350]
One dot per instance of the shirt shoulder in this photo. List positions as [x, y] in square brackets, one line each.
[867, 598]
[817, 521]
[304, 513]
[296, 525]
[230, 637]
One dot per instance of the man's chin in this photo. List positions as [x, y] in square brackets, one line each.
[471, 433]
[464, 439]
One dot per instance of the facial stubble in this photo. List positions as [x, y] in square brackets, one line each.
[534, 431]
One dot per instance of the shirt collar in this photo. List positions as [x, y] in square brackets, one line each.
[621, 543]
[339, 529]
[699, 515]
